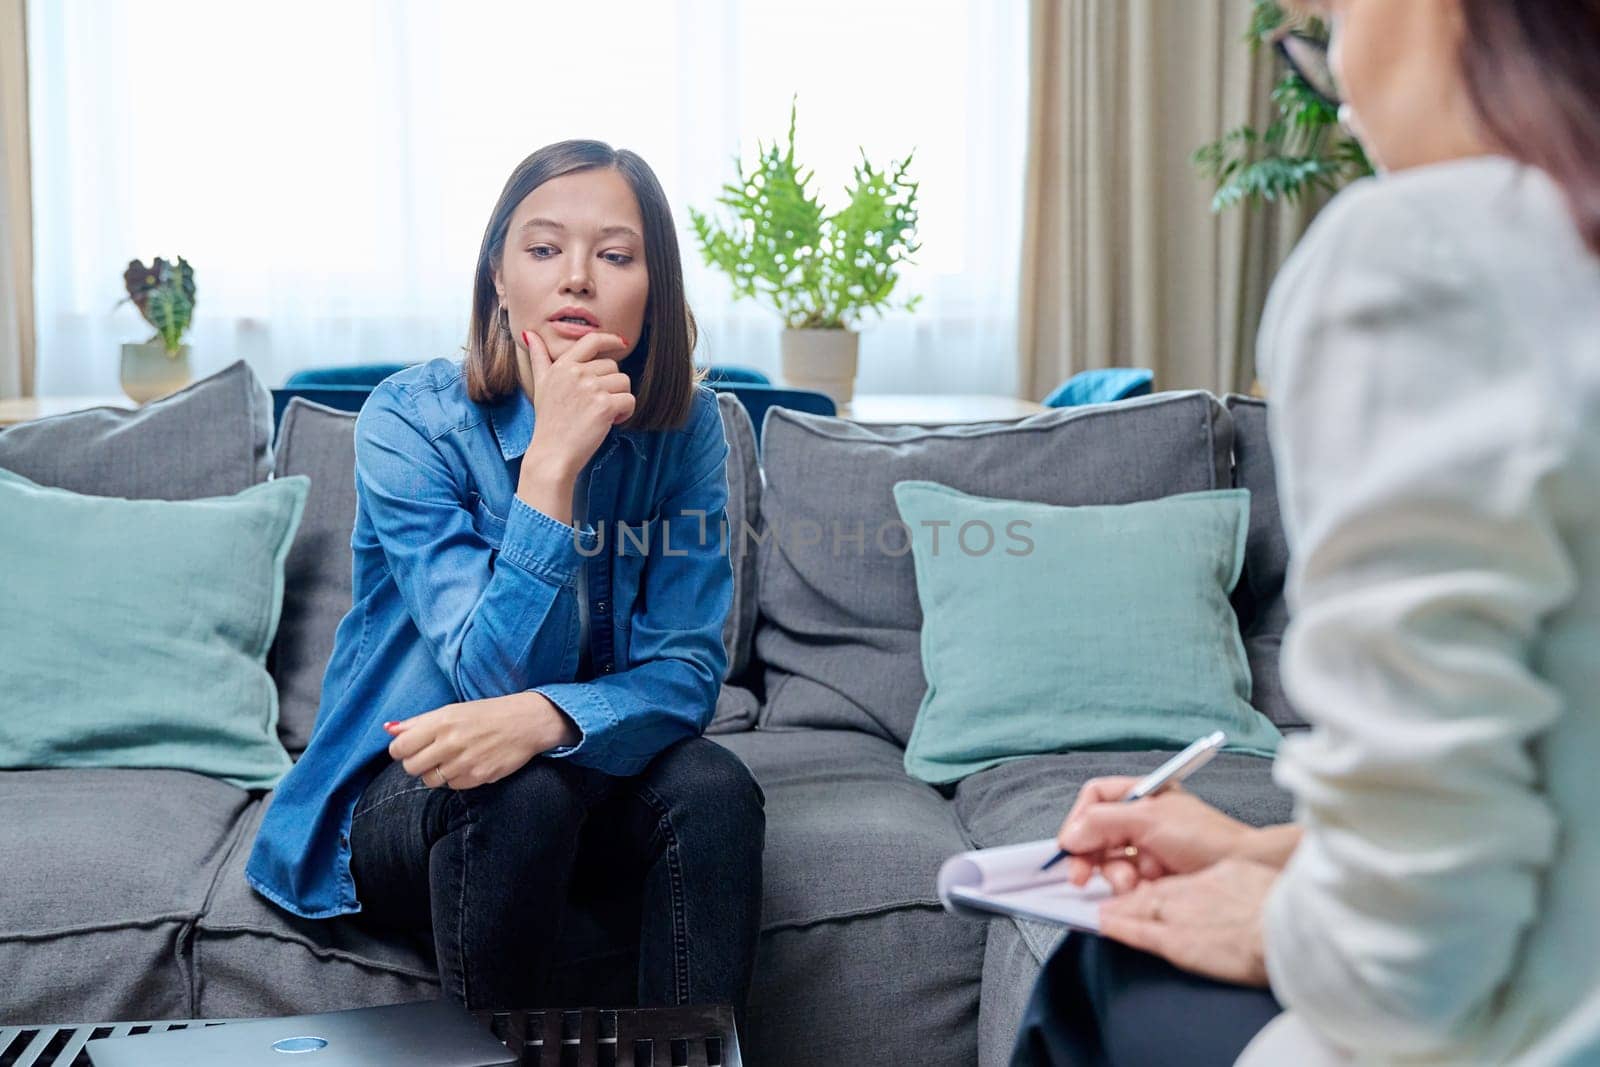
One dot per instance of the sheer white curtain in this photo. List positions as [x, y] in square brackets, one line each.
[328, 167]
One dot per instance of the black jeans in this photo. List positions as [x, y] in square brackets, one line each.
[1100, 1002]
[490, 870]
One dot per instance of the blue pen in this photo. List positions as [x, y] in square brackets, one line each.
[1171, 772]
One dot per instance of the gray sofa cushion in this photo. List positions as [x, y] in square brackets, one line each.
[1011, 965]
[856, 954]
[1026, 800]
[1263, 611]
[744, 506]
[737, 706]
[893, 987]
[848, 833]
[237, 909]
[253, 957]
[243, 974]
[839, 634]
[737, 709]
[102, 876]
[318, 442]
[211, 438]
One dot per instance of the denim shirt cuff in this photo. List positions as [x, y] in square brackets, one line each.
[538, 543]
[589, 710]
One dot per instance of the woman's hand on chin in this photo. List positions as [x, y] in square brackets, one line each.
[477, 742]
[1208, 922]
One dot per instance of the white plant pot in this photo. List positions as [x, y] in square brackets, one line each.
[149, 372]
[823, 361]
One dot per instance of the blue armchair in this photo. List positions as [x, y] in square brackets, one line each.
[373, 373]
[341, 397]
[758, 398]
[367, 374]
[735, 375]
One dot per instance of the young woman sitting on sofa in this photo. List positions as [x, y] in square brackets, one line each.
[1432, 357]
[514, 704]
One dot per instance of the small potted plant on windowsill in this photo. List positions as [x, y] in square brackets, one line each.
[819, 271]
[164, 295]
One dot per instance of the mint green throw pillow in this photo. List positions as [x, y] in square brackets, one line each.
[134, 633]
[1055, 629]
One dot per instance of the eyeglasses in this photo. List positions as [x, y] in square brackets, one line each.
[1308, 58]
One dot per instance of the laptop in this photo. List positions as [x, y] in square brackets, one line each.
[430, 1033]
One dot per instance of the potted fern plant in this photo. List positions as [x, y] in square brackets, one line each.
[164, 294]
[819, 271]
[1302, 150]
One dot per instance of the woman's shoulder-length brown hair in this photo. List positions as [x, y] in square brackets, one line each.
[661, 365]
[1533, 69]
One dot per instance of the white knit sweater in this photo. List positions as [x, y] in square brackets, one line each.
[1432, 354]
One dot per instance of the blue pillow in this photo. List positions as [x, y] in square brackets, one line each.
[1055, 629]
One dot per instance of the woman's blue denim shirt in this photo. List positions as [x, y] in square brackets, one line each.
[463, 591]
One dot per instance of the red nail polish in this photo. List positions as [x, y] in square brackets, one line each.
[525, 338]
[390, 725]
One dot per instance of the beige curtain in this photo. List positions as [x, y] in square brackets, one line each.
[1123, 262]
[16, 210]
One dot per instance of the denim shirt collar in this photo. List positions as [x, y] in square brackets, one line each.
[512, 419]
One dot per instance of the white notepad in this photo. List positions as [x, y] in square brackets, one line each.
[1008, 881]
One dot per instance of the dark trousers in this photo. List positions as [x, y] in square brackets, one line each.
[490, 869]
[1100, 1002]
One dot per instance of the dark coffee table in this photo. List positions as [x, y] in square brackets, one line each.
[590, 1037]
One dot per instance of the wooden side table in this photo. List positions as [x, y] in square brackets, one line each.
[28, 408]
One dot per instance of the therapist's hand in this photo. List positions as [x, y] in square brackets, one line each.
[476, 742]
[1173, 832]
[1208, 923]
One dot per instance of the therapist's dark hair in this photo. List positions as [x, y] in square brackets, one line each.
[661, 365]
[1533, 67]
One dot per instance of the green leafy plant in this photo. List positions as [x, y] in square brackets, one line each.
[164, 295]
[1303, 149]
[817, 270]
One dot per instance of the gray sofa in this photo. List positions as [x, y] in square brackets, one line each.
[122, 894]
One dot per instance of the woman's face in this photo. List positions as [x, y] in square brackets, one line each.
[1399, 69]
[574, 242]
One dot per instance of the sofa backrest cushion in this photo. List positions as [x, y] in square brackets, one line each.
[1258, 600]
[840, 620]
[318, 442]
[744, 507]
[211, 438]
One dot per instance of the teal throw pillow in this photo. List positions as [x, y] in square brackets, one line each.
[134, 633]
[1056, 629]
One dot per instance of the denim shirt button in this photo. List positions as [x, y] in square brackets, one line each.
[606, 669]
[600, 607]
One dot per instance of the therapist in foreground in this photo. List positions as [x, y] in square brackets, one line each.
[1432, 354]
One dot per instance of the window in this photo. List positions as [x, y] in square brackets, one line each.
[328, 168]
